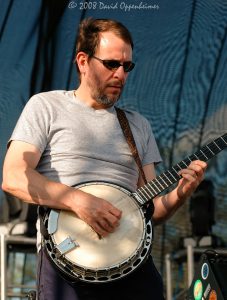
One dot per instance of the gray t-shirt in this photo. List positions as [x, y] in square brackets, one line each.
[81, 144]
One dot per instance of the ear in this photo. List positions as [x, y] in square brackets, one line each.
[81, 59]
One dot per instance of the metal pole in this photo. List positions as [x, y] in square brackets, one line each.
[3, 266]
[190, 262]
[168, 277]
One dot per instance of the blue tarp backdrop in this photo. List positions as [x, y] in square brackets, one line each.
[179, 82]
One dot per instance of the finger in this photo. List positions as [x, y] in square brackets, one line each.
[116, 212]
[113, 210]
[198, 165]
[112, 221]
[191, 177]
[198, 172]
[196, 169]
[106, 226]
[99, 230]
[188, 173]
[201, 163]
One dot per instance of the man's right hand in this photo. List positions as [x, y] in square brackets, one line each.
[100, 214]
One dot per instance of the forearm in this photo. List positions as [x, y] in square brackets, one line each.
[21, 179]
[32, 187]
[166, 206]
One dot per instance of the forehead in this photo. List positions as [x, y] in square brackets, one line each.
[112, 45]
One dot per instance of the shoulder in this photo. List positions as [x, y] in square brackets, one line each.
[49, 100]
[135, 117]
[51, 95]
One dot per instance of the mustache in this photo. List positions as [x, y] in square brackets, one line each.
[116, 83]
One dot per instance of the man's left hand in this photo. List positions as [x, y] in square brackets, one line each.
[191, 178]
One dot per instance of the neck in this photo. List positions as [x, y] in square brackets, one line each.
[84, 95]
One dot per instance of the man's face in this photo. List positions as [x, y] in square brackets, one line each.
[107, 85]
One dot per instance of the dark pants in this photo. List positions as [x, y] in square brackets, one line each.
[143, 284]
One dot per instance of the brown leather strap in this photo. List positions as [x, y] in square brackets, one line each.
[130, 139]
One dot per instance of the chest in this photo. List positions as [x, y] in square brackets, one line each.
[89, 136]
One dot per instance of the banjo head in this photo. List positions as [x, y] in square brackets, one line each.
[78, 245]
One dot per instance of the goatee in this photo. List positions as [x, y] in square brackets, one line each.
[105, 100]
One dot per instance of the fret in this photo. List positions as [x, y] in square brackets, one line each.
[200, 155]
[150, 186]
[204, 154]
[150, 190]
[221, 143]
[158, 183]
[178, 165]
[196, 156]
[187, 161]
[189, 158]
[141, 194]
[161, 177]
[164, 174]
[176, 171]
[210, 150]
[223, 140]
[172, 175]
[181, 165]
[217, 146]
[215, 149]
[156, 186]
[143, 189]
[184, 163]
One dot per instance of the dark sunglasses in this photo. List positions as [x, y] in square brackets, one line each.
[113, 65]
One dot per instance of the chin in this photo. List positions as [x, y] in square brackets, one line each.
[108, 100]
[113, 97]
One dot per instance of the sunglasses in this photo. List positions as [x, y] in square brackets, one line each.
[113, 65]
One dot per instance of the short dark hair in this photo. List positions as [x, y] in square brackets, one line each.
[88, 34]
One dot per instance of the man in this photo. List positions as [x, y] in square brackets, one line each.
[64, 138]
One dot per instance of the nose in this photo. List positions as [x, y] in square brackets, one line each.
[120, 74]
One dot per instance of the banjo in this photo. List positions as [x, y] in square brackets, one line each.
[81, 254]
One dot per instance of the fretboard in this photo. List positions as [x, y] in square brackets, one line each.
[171, 176]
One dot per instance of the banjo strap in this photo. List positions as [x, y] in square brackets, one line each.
[41, 214]
[132, 145]
[130, 140]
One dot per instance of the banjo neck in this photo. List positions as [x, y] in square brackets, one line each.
[166, 179]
